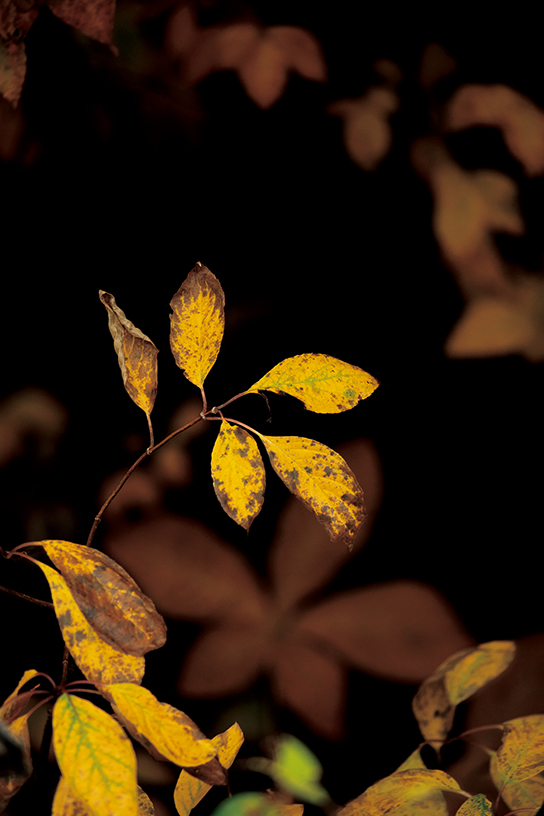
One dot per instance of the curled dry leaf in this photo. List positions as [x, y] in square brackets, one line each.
[111, 601]
[238, 474]
[367, 132]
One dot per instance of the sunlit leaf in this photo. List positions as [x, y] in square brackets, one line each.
[136, 353]
[396, 790]
[238, 474]
[322, 480]
[166, 728]
[197, 323]
[110, 599]
[477, 805]
[99, 662]
[526, 794]
[324, 384]
[95, 756]
[255, 804]
[66, 804]
[521, 754]
[367, 133]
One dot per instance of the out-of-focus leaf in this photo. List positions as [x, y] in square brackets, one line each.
[238, 474]
[520, 121]
[162, 725]
[255, 804]
[296, 770]
[197, 323]
[136, 353]
[12, 70]
[436, 64]
[398, 789]
[322, 480]
[95, 756]
[521, 754]
[367, 132]
[99, 662]
[324, 384]
[526, 794]
[16, 760]
[477, 805]
[433, 803]
[92, 17]
[110, 599]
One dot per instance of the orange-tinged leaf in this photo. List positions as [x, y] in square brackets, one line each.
[165, 727]
[521, 754]
[367, 133]
[136, 353]
[197, 323]
[238, 474]
[110, 599]
[478, 805]
[395, 790]
[92, 17]
[99, 662]
[526, 794]
[95, 756]
[322, 480]
[323, 383]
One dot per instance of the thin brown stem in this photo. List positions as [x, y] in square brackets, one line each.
[151, 434]
[217, 408]
[26, 597]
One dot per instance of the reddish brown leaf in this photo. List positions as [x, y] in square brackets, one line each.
[367, 132]
[92, 17]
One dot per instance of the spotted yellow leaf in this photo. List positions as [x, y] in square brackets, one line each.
[238, 474]
[526, 795]
[521, 754]
[99, 662]
[66, 804]
[478, 805]
[399, 789]
[95, 756]
[197, 323]
[324, 384]
[322, 480]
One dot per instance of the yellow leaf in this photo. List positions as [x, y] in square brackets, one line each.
[110, 599]
[526, 795]
[166, 728]
[322, 480]
[324, 384]
[197, 323]
[399, 788]
[521, 754]
[95, 756]
[99, 662]
[66, 804]
[189, 790]
[238, 474]
[477, 805]
[13, 705]
[457, 678]
[137, 355]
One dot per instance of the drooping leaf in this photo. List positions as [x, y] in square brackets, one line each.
[322, 480]
[238, 474]
[323, 383]
[189, 790]
[95, 756]
[477, 805]
[396, 790]
[166, 728]
[526, 794]
[367, 133]
[136, 353]
[66, 804]
[521, 754]
[110, 599]
[197, 323]
[99, 662]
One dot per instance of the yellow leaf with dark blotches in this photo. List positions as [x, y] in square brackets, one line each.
[197, 323]
[521, 754]
[110, 599]
[322, 480]
[526, 794]
[95, 756]
[477, 805]
[456, 679]
[432, 803]
[398, 789]
[136, 353]
[99, 662]
[189, 790]
[238, 474]
[162, 725]
[324, 384]
[66, 804]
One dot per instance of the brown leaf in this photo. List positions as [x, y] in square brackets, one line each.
[92, 17]
[367, 132]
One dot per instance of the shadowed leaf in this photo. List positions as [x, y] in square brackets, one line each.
[15, 755]
[238, 474]
[477, 805]
[521, 754]
[256, 804]
[92, 17]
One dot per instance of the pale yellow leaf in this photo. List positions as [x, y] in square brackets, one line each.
[238, 474]
[99, 662]
[323, 383]
[526, 794]
[521, 754]
[322, 480]
[395, 790]
[95, 756]
[197, 323]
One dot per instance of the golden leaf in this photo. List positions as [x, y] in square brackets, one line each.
[99, 662]
[526, 795]
[322, 480]
[367, 132]
[170, 731]
[393, 791]
[432, 803]
[324, 384]
[521, 754]
[95, 756]
[477, 805]
[110, 599]
[197, 323]
[238, 474]
[136, 353]
[66, 804]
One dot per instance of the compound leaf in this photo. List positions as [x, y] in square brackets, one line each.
[238, 474]
[521, 754]
[95, 756]
[110, 599]
[99, 662]
[197, 323]
[397, 789]
[324, 384]
[322, 480]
